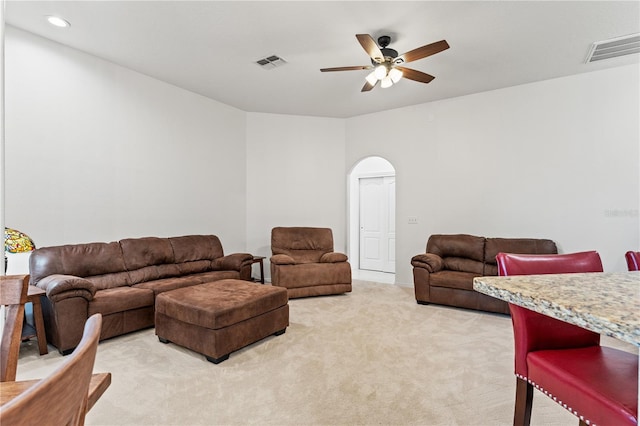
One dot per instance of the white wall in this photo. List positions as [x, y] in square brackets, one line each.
[295, 177]
[97, 152]
[555, 159]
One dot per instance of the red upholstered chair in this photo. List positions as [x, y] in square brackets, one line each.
[633, 260]
[596, 383]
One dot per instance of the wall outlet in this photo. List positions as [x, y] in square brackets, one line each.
[413, 220]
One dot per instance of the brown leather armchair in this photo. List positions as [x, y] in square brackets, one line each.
[305, 264]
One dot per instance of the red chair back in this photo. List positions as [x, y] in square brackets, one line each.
[537, 264]
[633, 260]
[533, 331]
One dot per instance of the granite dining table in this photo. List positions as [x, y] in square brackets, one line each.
[607, 303]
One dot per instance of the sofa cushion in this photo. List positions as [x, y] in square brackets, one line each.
[141, 252]
[190, 248]
[461, 264]
[194, 267]
[303, 244]
[457, 245]
[154, 272]
[168, 284]
[494, 246]
[148, 259]
[312, 274]
[120, 299]
[452, 279]
[93, 261]
[115, 279]
[209, 276]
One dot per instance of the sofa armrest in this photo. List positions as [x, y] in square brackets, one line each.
[429, 261]
[282, 259]
[232, 262]
[333, 257]
[60, 287]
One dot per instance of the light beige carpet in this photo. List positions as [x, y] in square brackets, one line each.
[372, 357]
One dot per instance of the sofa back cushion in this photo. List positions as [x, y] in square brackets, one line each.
[461, 264]
[101, 263]
[459, 252]
[303, 244]
[457, 245]
[149, 258]
[196, 247]
[194, 253]
[494, 246]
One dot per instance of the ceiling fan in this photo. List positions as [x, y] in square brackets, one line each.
[385, 62]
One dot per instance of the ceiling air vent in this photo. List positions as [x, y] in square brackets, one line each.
[270, 62]
[614, 47]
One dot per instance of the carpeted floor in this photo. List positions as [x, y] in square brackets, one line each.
[372, 357]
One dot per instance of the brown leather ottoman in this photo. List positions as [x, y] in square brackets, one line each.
[220, 317]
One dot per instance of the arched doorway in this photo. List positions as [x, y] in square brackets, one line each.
[372, 206]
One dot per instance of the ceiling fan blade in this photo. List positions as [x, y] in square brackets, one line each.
[415, 75]
[368, 86]
[424, 51]
[354, 68]
[370, 46]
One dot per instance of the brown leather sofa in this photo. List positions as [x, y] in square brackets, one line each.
[305, 264]
[444, 274]
[121, 279]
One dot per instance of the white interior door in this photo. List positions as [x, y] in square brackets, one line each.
[377, 223]
[390, 220]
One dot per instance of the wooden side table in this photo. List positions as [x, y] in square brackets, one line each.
[37, 329]
[260, 259]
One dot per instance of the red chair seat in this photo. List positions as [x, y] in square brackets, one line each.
[597, 382]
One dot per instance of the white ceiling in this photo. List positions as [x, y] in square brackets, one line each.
[210, 47]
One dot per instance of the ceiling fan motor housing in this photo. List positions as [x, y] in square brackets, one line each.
[389, 54]
[383, 41]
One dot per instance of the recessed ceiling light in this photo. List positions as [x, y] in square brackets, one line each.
[58, 22]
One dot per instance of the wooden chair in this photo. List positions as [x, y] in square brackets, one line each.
[597, 384]
[62, 397]
[633, 260]
[13, 295]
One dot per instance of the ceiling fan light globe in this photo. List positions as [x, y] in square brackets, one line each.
[371, 78]
[58, 21]
[380, 72]
[386, 82]
[395, 75]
